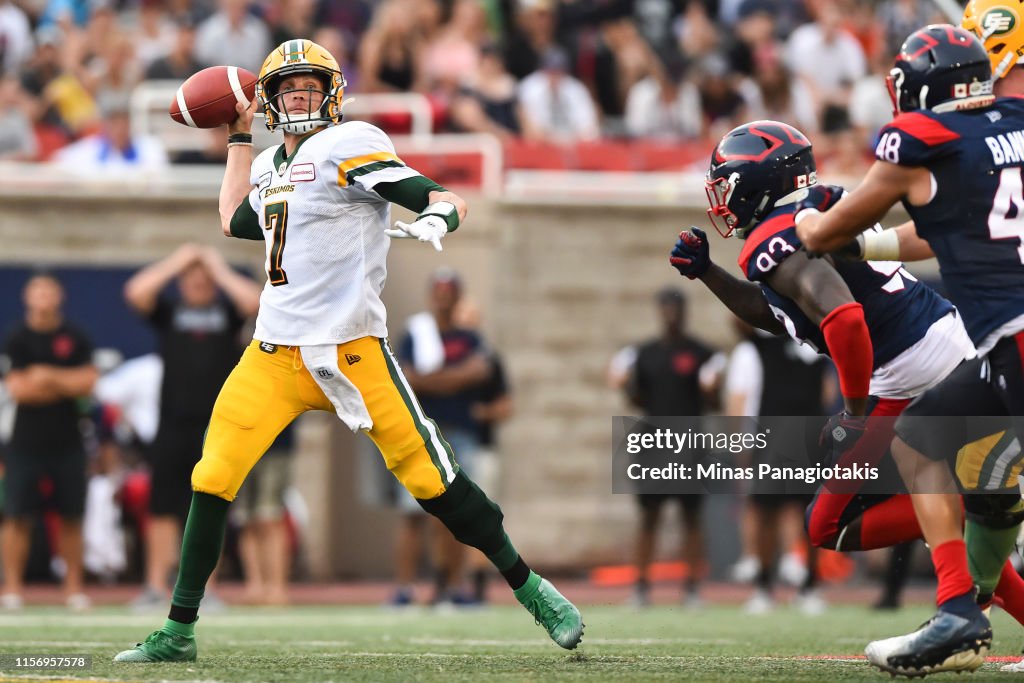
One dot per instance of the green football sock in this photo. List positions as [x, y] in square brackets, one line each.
[200, 551]
[987, 551]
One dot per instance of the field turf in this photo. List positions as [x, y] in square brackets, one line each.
[499, 643]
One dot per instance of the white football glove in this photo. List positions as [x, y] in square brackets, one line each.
[427, 229]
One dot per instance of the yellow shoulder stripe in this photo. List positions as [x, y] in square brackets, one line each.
[356, 162]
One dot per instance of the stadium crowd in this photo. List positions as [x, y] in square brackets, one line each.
[550, 71]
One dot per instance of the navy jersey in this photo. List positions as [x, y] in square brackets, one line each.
[975, 220]
[898, 309]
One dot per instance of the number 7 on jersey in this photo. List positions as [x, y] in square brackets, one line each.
[275, 218]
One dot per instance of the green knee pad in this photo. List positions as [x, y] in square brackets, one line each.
[474, 519]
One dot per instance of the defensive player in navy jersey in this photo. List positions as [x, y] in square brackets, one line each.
[953, 155]
[757, 173]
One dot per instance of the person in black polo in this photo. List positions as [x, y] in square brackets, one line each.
[50, 373]
[673, 375]
[199, 337]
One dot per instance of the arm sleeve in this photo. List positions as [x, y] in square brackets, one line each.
[849, 344]
[365, 156]
[412, 193]
[245, 223]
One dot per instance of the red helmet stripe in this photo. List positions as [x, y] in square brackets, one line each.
[776, 142]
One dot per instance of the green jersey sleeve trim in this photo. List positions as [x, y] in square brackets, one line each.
[245, 224]
[410, 193]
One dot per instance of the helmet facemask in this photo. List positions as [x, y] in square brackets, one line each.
[298, 122]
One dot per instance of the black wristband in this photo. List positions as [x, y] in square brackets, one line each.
[240, 137]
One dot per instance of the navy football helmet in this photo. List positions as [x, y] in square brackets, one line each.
[752, 168]
[942, 68]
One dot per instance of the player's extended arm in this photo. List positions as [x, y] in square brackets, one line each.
[692, 258]
[439, 211]
[897, 244]
[235, 187]
[884, 185]
[143, 288]
[822, 295]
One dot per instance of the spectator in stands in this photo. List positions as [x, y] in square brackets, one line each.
[198, 329]
[334, 41]
[827, 58]
[531, 36]
[663, 22]
[673, 374]
[351, 17]
[155, 34]
[114, 148]
[67, 13]
[754, 35]
[899, 18]
[870, 106]
[388, 54]
[698, 35]
[557, 107]
[233, 36]
[17, 137]
[180, 62]
[488, 103]
[622, 60]
[15, 37]
[452, 56]
[665, 105]
[51, 372]
[722, 104]
[114, 71]
[215, 150]
[291, 18]
[53, 76]
[776, 95]
[259, 509]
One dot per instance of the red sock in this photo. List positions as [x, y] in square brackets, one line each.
[889, 523]
[950, 560]
[1010, 592]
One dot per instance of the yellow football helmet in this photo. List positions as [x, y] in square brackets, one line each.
[1000, 26]
[300, 56]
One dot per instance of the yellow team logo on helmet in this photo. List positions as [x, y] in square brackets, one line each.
[998, 24]
[293, 57]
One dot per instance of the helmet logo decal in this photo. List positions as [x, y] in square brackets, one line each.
[997, 21]
[295, 52]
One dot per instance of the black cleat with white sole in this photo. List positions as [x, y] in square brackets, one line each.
[946, 642]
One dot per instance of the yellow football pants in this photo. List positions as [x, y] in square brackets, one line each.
[267, 390]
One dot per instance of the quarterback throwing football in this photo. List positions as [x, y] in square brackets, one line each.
[321, 202]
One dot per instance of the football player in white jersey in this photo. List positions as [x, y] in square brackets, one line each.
[321, 203]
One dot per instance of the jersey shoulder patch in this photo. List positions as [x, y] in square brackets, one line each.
[914, 139]
[769, 244]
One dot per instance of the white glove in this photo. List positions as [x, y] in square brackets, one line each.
[427, 229]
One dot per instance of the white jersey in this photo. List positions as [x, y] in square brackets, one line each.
[324, 233]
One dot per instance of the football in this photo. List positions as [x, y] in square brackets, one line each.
[207, 99]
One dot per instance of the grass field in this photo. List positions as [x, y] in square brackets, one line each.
[500, 643]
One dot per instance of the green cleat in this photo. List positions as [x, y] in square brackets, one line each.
[161, 646]
[551, 610]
